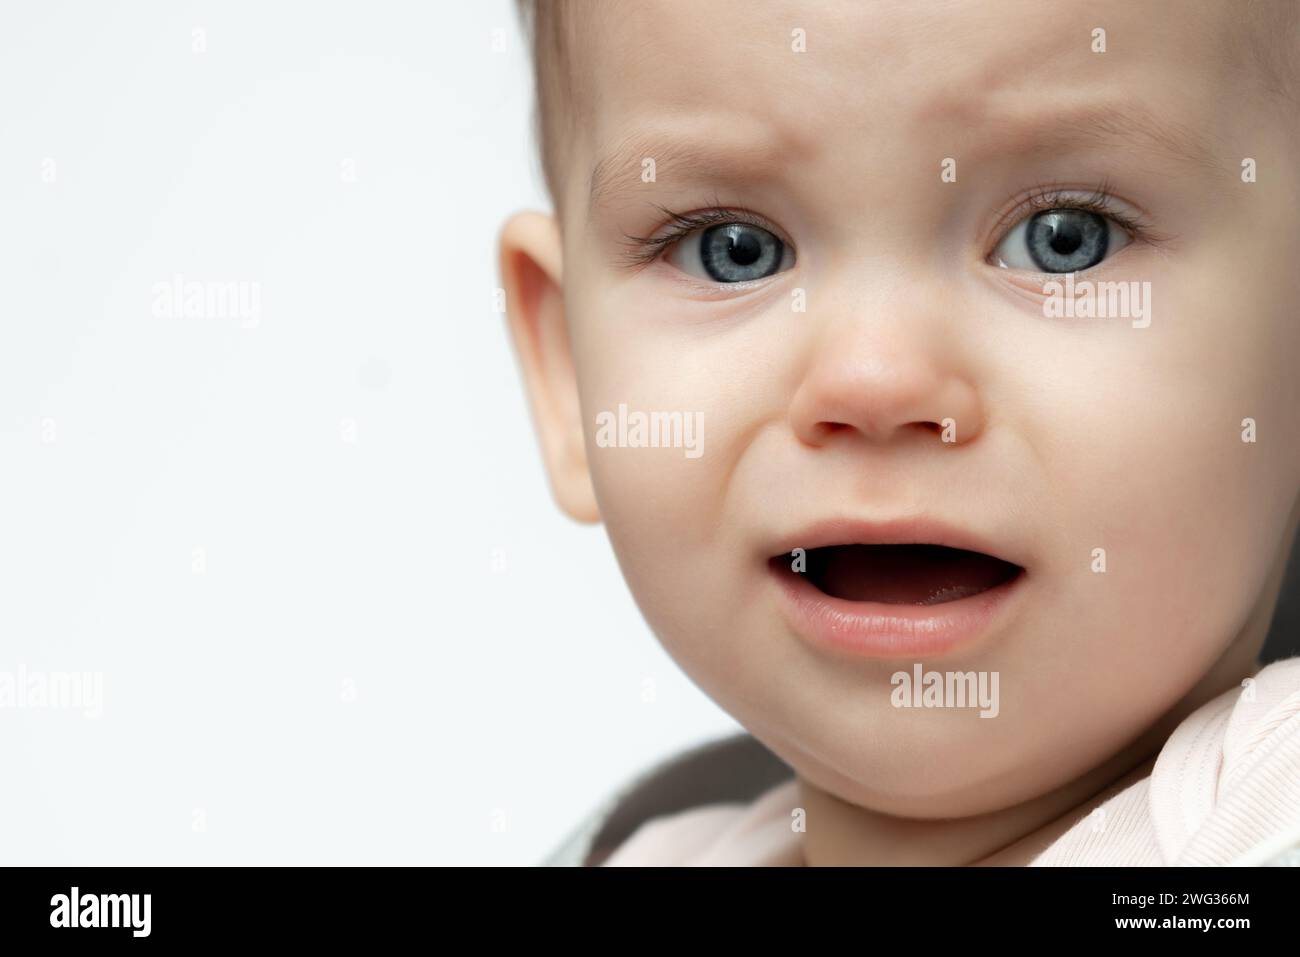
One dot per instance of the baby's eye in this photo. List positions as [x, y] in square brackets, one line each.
[730, 252]
[1060, 240]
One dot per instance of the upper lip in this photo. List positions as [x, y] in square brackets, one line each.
[916, 530]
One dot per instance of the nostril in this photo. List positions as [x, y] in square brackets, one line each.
[826, 429]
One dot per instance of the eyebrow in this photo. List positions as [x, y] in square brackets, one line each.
[1123, 126]
[714, 160]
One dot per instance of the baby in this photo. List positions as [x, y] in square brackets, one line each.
[933, 369]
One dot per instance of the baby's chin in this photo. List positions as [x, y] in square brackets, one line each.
[840, 730]
[930, 776]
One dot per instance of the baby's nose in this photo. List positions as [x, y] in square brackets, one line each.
[882, 384]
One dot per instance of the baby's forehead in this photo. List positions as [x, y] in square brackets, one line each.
[914, 74]
[836, 55]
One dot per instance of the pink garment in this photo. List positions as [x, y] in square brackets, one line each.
[1225, 789]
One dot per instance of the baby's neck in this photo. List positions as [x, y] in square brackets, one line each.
[1023, 851]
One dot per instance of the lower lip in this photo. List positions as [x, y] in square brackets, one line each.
[873, 629]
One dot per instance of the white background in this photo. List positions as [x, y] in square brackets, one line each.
[340, 674]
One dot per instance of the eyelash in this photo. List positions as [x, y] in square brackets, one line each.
[1099, 201]
[643, 250]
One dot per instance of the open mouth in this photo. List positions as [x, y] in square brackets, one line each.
[907, 574]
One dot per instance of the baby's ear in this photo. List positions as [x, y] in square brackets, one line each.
[531, 273]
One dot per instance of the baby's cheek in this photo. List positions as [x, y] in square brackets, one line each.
[666, 511]
[661, 429]
[1177, 513]
[662, 518]
[1238, 323]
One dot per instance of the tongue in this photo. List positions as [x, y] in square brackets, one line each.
[905, 574]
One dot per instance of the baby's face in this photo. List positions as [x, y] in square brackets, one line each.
[869, 353]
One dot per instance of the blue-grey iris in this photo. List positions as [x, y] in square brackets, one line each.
[1066, 240]
[739, 252]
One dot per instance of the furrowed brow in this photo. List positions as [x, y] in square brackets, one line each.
[1127, 127]
[712, 158]
[707, 161]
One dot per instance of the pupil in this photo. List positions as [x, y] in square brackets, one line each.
[1066, 236]
[743, 247]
